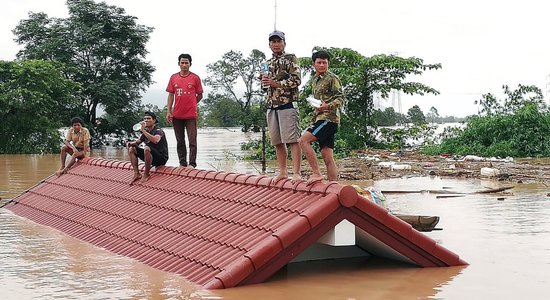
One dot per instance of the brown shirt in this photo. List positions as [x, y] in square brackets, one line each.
[79, 139]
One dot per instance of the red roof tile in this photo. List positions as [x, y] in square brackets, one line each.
[217, 229]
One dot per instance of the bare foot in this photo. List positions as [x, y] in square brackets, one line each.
[135, 178]
[296, 178]
[280, 177]
[60, 172]
[145, 177]
[314, 179]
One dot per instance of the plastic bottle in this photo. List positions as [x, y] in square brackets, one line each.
[264, 71]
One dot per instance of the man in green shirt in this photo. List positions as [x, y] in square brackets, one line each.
[327, 88]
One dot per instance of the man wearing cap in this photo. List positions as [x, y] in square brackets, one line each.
[155, 152]
[282, 114]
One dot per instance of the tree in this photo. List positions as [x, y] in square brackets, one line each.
[35, 101]
[102, 48]
[433, 115]
[237, 78]
[513, 101]
[388, 117]
[416, 116]
[220, 111]
[363, 76]
[517, 126]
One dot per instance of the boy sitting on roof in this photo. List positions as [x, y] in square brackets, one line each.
[76, 144]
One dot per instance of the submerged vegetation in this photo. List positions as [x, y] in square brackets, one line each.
[516, 126]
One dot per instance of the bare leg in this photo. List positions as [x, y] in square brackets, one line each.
[63, 157]
[305, 144]
[148, 160]
[134, 161]
[296, 153]
[328, 157]
[280, 149]
[72, 161]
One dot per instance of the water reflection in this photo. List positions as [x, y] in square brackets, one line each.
[348, 279]
[41, 263]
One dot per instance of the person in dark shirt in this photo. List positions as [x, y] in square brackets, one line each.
[155, 152]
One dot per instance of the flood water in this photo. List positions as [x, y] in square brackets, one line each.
[504, 238]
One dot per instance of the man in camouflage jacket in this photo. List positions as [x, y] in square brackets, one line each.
[281, 85]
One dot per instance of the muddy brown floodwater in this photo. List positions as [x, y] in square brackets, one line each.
[505, 238]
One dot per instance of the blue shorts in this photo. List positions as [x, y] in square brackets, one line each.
[324, 131]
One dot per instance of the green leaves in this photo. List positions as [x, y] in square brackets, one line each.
[523, 132]
[100, 47]
[236, 78]
[363, 77]
[35, 100]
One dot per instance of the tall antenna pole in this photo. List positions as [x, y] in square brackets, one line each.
[275, 17]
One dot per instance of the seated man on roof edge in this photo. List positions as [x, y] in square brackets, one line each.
[155, 151]
[76, 143]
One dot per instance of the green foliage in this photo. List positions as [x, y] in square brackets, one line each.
[35, 101]
[102, 48]
[513, 101]
[388, 117]
[519, 126]
[232, 74]
[253, 149]
[221, 111]
[416, 116]
[361, 78]
[406, 136]
[109, 124]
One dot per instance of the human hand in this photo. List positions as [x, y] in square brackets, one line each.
[266, 81]
[322, 108]
[169, 117]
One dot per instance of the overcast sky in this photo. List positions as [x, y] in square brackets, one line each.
[480, 44]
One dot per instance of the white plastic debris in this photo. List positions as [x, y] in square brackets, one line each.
[489, 172]
[400, 167]
[473, 158]
[386, 164]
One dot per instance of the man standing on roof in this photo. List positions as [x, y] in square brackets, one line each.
[76, 143]
[326, 86]
[155, 152]
[184, 93]
[282, 84]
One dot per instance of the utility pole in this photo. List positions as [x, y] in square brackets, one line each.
[275, 16]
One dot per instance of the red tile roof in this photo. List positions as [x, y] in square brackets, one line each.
[217, 229]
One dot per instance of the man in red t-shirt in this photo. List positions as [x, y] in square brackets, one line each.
[184, 93]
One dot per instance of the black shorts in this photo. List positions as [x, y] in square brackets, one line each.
[158, 159]
[324, 131]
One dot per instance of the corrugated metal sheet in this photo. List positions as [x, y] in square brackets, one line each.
[217, 229]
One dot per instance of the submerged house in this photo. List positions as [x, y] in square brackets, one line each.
[221, 229]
